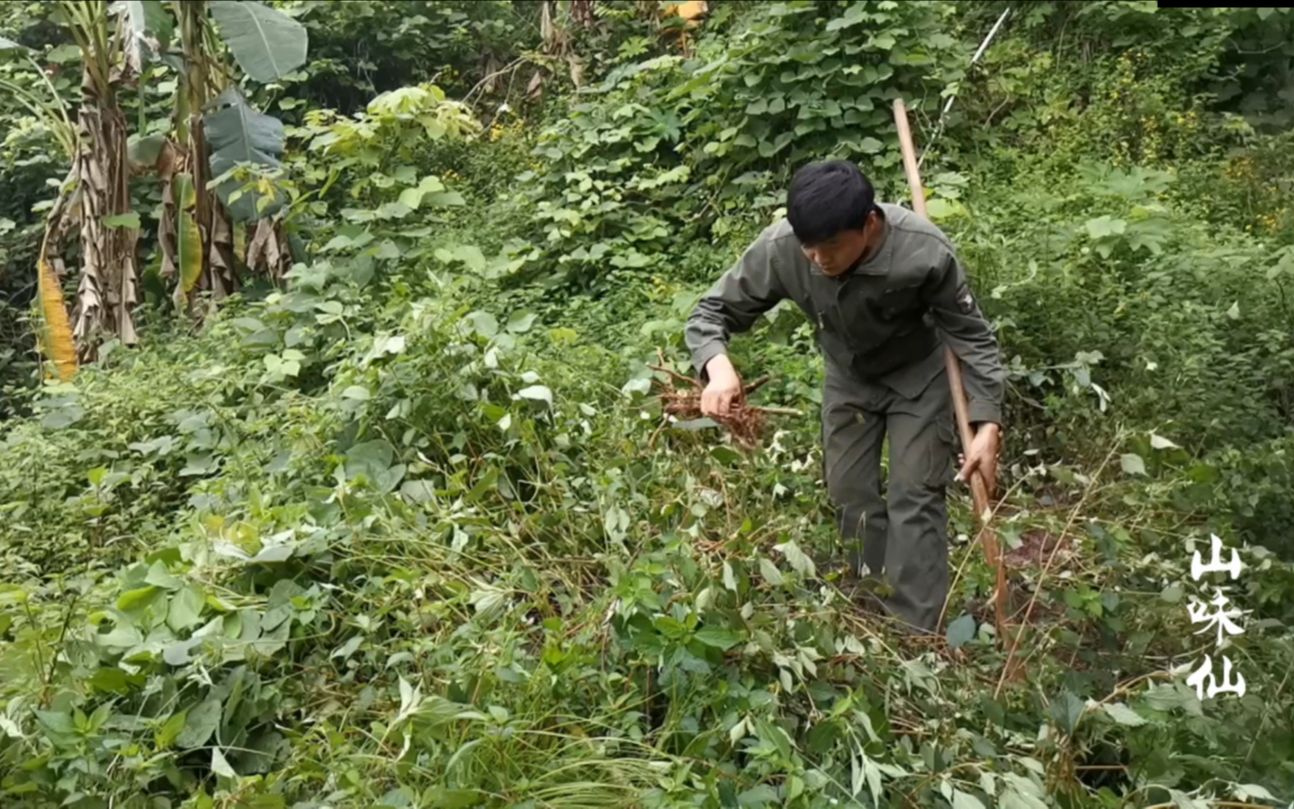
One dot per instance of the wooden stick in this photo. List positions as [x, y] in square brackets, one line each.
[979, 491]
[777, 411]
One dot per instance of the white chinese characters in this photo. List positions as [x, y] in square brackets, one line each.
[1215, 565]
[1204, 682]
[1220, 618]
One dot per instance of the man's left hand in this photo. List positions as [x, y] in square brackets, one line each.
[982, 456]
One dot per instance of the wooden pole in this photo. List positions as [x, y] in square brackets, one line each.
[979, 490]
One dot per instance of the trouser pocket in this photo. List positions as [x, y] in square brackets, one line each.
[941, 454]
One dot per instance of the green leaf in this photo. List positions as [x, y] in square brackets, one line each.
[797, 559]
[965, 800]
[1254, 791]
[170, 730]
[1184, 801]
[446, 798]
[1012, 798]
[418, 491]
[200, 724]
[159, 576]
[483, 323]
[412, 197]
[123, 636]
[1133, 464]
[1065, 710]
[1234, 312]
[7, 45]
[444, 198]
[388, 344]
[471, 256]
[853, 15]
[110, 680]
[188, 239]
[729, 577]
[538, 393]
[370, 458]
[179, 653]
[56, 721]
[148, 17]
[64, 54]
[1103, 226]
[134, 599]
[147, 28]
[1159, 442]
[237, 133]
[266, 43]
[719, 638]
[770, 572]
[941, 208]
[520, 322]
[758, 796]
[1124, 715]
[185, 610]
[129, 219]
[960, 631]
[220, 766]
[64, 416]
[724, 454]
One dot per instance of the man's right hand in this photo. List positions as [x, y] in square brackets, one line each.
[724, 388]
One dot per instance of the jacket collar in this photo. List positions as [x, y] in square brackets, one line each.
[879, 262]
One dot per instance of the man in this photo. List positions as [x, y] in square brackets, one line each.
[885, 292]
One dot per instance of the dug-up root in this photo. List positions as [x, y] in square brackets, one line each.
[680, 398]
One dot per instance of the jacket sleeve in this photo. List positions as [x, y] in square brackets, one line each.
[749, 288]
[969, 334]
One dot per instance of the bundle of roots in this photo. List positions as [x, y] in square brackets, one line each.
[744, 421]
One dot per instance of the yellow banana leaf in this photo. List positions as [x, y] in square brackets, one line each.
[188, 238]
[689, 10]
[57, 332]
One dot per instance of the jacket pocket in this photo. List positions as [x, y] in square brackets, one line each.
[896, 303]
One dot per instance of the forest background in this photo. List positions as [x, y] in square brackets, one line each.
[334, 472]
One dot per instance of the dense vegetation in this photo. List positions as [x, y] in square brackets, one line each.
[397, 522]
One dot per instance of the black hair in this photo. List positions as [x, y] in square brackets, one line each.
[826, 198]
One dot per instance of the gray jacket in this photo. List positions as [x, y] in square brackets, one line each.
[885, 322]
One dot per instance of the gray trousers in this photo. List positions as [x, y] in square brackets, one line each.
[899, 534]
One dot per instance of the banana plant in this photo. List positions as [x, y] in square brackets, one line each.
[215, 131]
[107, 290]
[93, 199]
[54, 330]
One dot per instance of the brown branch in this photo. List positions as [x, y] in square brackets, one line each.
[675, 375]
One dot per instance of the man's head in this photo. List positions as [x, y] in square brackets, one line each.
[832, 209]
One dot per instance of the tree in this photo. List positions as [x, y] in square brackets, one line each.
[99, 201]
[215, 134]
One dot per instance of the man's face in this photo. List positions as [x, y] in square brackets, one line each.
[836, 255]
